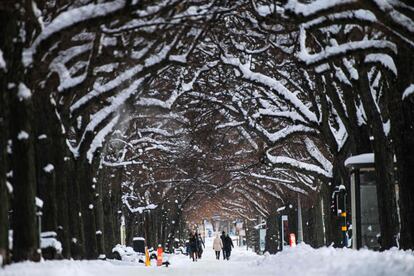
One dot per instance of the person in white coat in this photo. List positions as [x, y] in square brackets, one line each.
[217, 246]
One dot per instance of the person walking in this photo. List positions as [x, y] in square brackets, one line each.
[223, 237]
[200, 245]
[193, 247]
[227, 245]
[217, 246]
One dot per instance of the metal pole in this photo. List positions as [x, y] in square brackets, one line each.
[300, 226]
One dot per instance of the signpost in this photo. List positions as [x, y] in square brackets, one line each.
[284, 230]
[262, 240]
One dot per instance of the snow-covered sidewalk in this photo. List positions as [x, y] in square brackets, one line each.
[302, 260]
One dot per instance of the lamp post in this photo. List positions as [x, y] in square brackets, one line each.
[300, 226]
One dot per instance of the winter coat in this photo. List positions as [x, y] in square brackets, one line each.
[200, 243]
[193, 244]
[217, 244]
[228, 243]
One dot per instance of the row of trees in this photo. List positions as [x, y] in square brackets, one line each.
[151, 108]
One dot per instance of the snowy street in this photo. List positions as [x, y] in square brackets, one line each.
[302, 260]
[136, 132]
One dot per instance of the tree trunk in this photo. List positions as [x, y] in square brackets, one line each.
[77, 236]
[402, 130]
[44, 152]
[84, 179]
[25, 235]
[99, 214]
[4, 208]
[272, 244]
[384, 167]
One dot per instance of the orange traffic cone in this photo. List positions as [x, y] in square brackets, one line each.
[159, 255]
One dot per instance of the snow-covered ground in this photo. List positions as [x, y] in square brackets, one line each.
[302, 260]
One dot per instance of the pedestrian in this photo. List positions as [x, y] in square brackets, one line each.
[217, 246]
[228, 244]
[193, 247]
[223, 237]
[200, 246]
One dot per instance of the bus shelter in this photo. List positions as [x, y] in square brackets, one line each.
[364, 204]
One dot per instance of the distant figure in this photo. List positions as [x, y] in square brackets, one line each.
[193, 247]
[217, 246]
[200, 244]
[227, 245]
[223, 237]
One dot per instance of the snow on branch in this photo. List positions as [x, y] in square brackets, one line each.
[313, 7]
[340, 50]
[115, 103]
[317, 155]
[70, 18]
[296, 164]
[139, 209]
[383, 59]
[274, 85]
[2, 62]
[100, 137]
[361, 15]
[408, 91]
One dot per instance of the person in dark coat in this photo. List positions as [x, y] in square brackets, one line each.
[193, 247]
[200, 244]
[223, 237]
[227, 245]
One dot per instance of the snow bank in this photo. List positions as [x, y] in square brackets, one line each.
[57, 268]
[305, 260]
[298, 261]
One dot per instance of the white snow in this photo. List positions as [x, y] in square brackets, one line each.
[408, 91]
[298, 261]
[23, 135]
[70, 18]
[2, 62]
[366, 158]
[39, 202]
[9, 187]
[23, 92]
[90, 206]
[290, 162]
[139, 209]
[100, 137]
[386, 60]
[48, 168]
[315, 6]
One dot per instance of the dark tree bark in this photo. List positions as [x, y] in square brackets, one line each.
[87, 192]
[99, 214]
[25, 234]
[45, 156]
[4, 199]
[62, 195]
[384, 167]
[272, 231]
[402, 130]
[77, 236]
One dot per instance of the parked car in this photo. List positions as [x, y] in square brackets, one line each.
[51, 247]
[136, 253]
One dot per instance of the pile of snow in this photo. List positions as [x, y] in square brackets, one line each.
[58, 268]
[301, 260]
[49, 239]
[305, 260]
